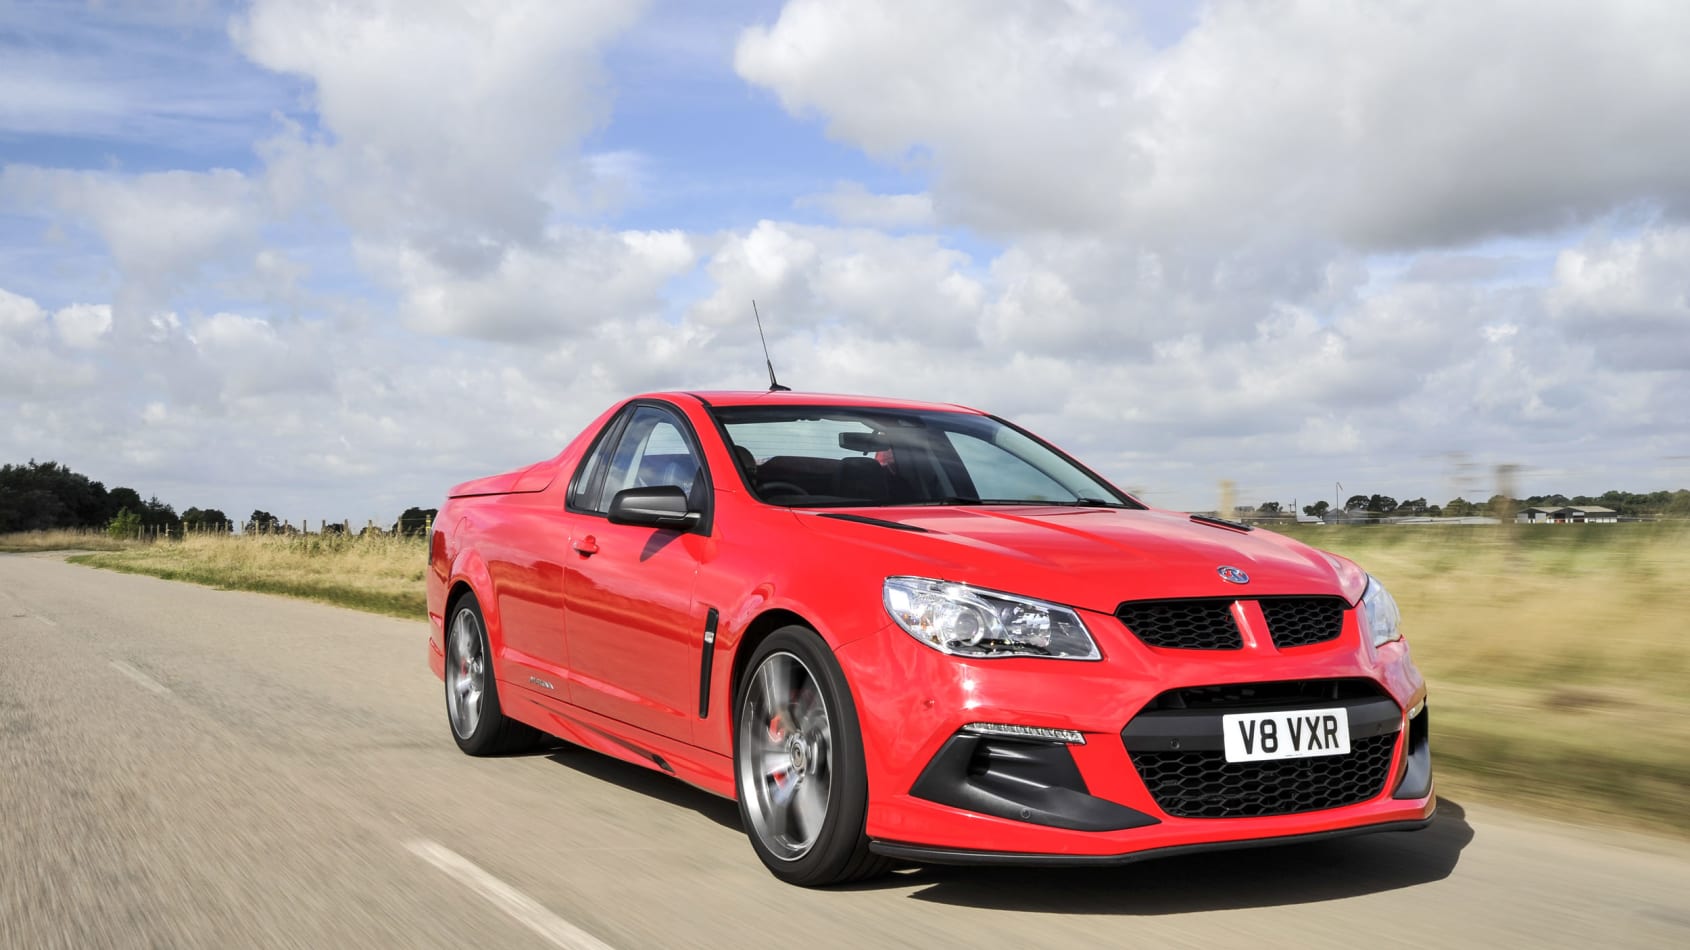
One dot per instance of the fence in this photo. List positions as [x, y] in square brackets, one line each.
[152, 533]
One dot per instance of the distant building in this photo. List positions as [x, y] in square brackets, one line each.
[1568, 514]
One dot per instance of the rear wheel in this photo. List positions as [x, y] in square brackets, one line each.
[472, 697]
[798, 763]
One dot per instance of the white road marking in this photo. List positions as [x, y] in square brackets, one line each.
[50, 623]
[523, 909]
[140, 677]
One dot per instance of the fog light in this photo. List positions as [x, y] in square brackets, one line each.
[1036, 733]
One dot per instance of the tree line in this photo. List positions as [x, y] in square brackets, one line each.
[1671, 504]
[44, 496]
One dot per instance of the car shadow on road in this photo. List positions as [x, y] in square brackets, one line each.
[1221, 880]
[636, 778]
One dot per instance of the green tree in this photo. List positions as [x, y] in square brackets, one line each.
[262, 521]
[37, 496]
[1679, 506]
[209, 519]
[120, 498]
[125, 524]
[160, 518]
[1318, 509]
[1356, 503]
[414, 521]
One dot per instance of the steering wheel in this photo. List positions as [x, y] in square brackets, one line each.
[781, 488]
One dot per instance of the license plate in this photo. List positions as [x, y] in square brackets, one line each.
[1299, 734]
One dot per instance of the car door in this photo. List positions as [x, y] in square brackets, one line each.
[628, 590]
[527, 568]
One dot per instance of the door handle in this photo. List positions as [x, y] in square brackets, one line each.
[587, 546]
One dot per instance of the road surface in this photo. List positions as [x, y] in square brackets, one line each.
[185, 767]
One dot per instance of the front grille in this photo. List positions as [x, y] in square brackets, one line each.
[1288, 693]
[1198, 624]
[1207, 623]
[1300, 621]
[1202, 784]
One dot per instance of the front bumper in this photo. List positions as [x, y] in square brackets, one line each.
[922, 854]
[941, 794]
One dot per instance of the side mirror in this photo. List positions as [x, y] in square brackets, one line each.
[659, 506]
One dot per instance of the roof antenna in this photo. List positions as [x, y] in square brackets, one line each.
[774, 386]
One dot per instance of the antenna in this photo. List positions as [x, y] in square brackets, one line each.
[774, 386]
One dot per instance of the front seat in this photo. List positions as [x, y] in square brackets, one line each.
[862, 478]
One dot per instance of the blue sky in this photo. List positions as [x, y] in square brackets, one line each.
[328, 259]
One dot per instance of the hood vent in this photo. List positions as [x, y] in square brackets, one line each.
[1222, 523]
[878, 522]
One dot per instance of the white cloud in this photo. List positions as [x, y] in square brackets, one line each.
[1017, 108]
[30, 362]
[1379, 126]
[573, 281]
[447, 121]
[162, 229]
[1628, 298]
[851, 204]
[19, 316]
[83, 326]
[249, 356]
[912, 289]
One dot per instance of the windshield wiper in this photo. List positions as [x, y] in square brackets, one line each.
[1072, 503]
[1026, 502]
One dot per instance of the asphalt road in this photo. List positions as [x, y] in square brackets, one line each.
[183, 767]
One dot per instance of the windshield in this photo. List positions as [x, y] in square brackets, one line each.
[831, 456]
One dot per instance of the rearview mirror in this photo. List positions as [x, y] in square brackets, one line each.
[658, 506]
[864, 441]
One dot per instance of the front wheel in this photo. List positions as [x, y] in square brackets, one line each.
[798, 763]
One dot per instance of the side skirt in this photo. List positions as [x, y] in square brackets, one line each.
[700, 767]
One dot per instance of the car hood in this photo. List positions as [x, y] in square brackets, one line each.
[1086, 557]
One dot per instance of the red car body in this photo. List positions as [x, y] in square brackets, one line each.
[632, 640]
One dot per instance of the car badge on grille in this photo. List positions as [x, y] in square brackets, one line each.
[1232, 575]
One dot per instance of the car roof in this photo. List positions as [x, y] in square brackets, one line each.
[788, 398]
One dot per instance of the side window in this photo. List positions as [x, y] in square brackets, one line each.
[581, 489]
[650, 451]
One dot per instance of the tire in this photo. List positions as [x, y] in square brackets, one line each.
[478, 725]
[798, 764]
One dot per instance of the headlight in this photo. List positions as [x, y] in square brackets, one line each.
[966, 621]
[1383, 617]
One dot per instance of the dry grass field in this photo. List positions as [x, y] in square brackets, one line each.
[379, 573]
[1557, 654]
[61, 540]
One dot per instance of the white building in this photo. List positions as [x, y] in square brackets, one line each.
[1569, 514]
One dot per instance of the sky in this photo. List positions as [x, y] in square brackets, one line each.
[328, 259]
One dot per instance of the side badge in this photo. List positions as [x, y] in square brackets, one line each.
[1232, 575]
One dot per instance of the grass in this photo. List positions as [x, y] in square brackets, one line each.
[65, 539]
[380, 573]
[1556, 653]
